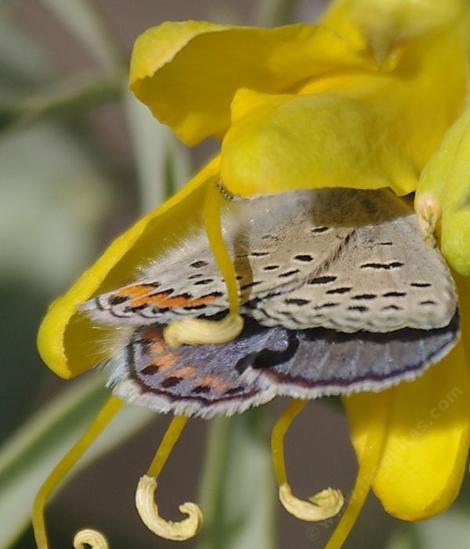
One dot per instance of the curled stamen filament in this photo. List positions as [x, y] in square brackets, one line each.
[198, 331]
[195, 331]
[377, 430]
[145, 501]
[105, 415]
[325, 504]
[92, 538]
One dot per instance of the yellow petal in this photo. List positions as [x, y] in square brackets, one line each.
[66, 341]
[360, 129]
[383, 23]
[304, 141]
[426, 450]
[446, 182]
[463, 285]
[188, 72]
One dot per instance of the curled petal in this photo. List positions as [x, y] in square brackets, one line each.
[63, 332]
[91, 538]
[216, 60]
[324, 505]
[148, 511]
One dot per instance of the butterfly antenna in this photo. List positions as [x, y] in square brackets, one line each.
[370, 461]
[321, 506]
[200, 331]
[95, 539]
[145, 495]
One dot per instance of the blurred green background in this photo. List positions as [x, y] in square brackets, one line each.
[80, 159]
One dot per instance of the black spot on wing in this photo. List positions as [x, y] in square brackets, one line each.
[288, 273]
[296, 301]
[204, 282]
[304, 258]
[394, 294]
[117, 299]
[383, 266]
[366, 297]
[342, 290]
[198, 264]
[358, 308]
[250, 285]
[170, 382]
[323, 279]
[392, 308]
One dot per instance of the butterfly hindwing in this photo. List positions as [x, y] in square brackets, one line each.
[195, 380]
[332, 363]
[264, 362]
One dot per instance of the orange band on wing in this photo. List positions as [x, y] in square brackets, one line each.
[139, 296]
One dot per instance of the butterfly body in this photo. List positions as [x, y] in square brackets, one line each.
[338, 290]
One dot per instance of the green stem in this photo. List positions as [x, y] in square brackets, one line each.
[74, 97]
[237, 493]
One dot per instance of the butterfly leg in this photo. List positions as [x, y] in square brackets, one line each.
[145, 502]
[323, 505]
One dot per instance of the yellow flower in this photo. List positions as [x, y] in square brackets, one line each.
[363, 100]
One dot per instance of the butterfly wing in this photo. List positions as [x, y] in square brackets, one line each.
[313, 267]
[198, 380]
[264, 362]
[276, 244]
[332, 363]
[385, 278]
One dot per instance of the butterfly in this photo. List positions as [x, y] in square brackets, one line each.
[338, 291]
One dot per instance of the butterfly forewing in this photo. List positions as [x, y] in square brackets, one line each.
[275, 243]
[385, 279]
[342, 259]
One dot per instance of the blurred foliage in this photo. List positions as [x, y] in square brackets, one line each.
[61, 194]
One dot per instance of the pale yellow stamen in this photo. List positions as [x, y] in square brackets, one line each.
[105, 415]
[145, 500]
[89, 538]
[323, 505]
[428, 211]
[198, 331]
[370, 460]
[194, 331]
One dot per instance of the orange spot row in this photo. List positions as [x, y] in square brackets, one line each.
[139, 295]
[214, 381]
